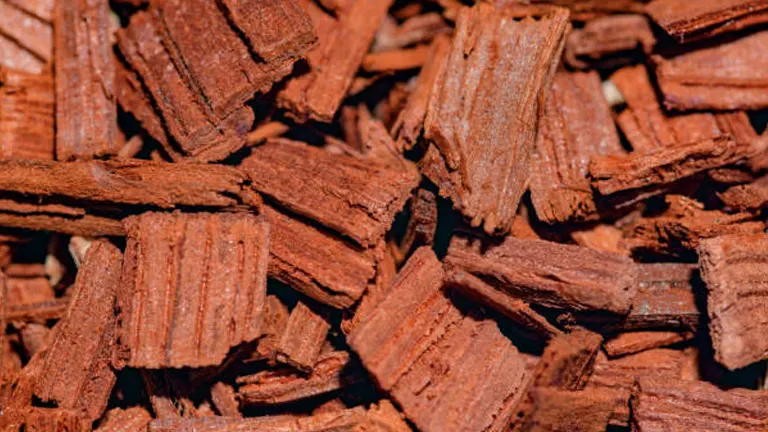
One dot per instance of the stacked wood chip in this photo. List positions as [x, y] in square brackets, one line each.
[383, 216]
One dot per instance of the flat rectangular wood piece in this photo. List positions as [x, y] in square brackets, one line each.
[317, 90]
[26, 115]
[78, 373]
[214, 264]
[609, 41]
[550, 274]
[689, 21]
[677, 405]
[504, 66]
[731, 266]
[637, 341]
[298, 256]
[576, 126]
[86, 108]
[304, 336]
[129, 181]
[447, 369]
[723, 77]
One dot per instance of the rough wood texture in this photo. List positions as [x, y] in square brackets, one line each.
[422, 225]
[213, 264]
[129, 181]
[576, 127]
[16, 57]
[723, 77]
[550, 274]
[86, 108]
[586, 10]
[486, 145]
[688, 21]
[737, 304]
[675, 405]
[133, 419]
[634, 342]
[200, 96]
[75, 223]
[448, 370]
[26, 115]
[331, 372]
[26, 25]
[343, 40]
[303, 337]
[275, 321]
[557, 410]
[298, 256]
[77, 373]
[664, 166]
[356, 198]
[609, 41]
[751, 196]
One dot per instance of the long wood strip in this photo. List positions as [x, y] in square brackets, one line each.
[737, 300]
[487, 144]
[131, 181]
[303, 337]
[356, 198]
[77, 373]
[26, 115]
[687, 21]
[638, 341]
[550, 274]
[577, 126]
[675, 405]
[86, 108]
[215, 264]
[331, 65]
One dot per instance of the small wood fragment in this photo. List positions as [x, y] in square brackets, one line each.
[154, 329]
[304, 336]
[396, 60]
[751, 196]
[224, 399]
[736, 301]
[609, 41]
[634, 342]
[422, 225]
[275, 321]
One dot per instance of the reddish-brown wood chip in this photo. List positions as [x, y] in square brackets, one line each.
[687, 21]
[751, 196]
[275, 321]
[550, 274]
[86, 109]
[356, 198]
[556, 410]
[576, 126]
[133, 419]
[586, 10]
[214, 264]
[486, 145]
[723, 77]
[447, 370]
[225, 400]
[26, 115]
[676, 405]
[609, 41]
[77, 373]
[304, 336]
[31, 33]
[634, 342]
[737, 283]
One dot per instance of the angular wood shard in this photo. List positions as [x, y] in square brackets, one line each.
[448, 370]
[86, 108]
[723, 77]
[298, 256]
[26, 115]
[576, 126]
[213, 264]
[331, 65]
[77, 373]
[199, 95]
[550, 274]
[663, 166]
[688, 21]
[303, 337]
[484, 109]
[737, 300]
[608, 41]
[128, 181]
[354, 197]
[676, 405]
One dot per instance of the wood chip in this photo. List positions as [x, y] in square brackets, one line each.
[275, 322]
[225, 400]
[396, 60]
[86, 108]
[26, 115]
[171, 263]
[304, 336]
[736, 301]
[663, 404]
[550, 274]
[609, 41]
[331, 65]
[485, 148]
[133, 419]
[634, 342]
[688, 21]
[751, 196]
[353, 197]
[559, 411]
[433, 359]
[576, 127]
